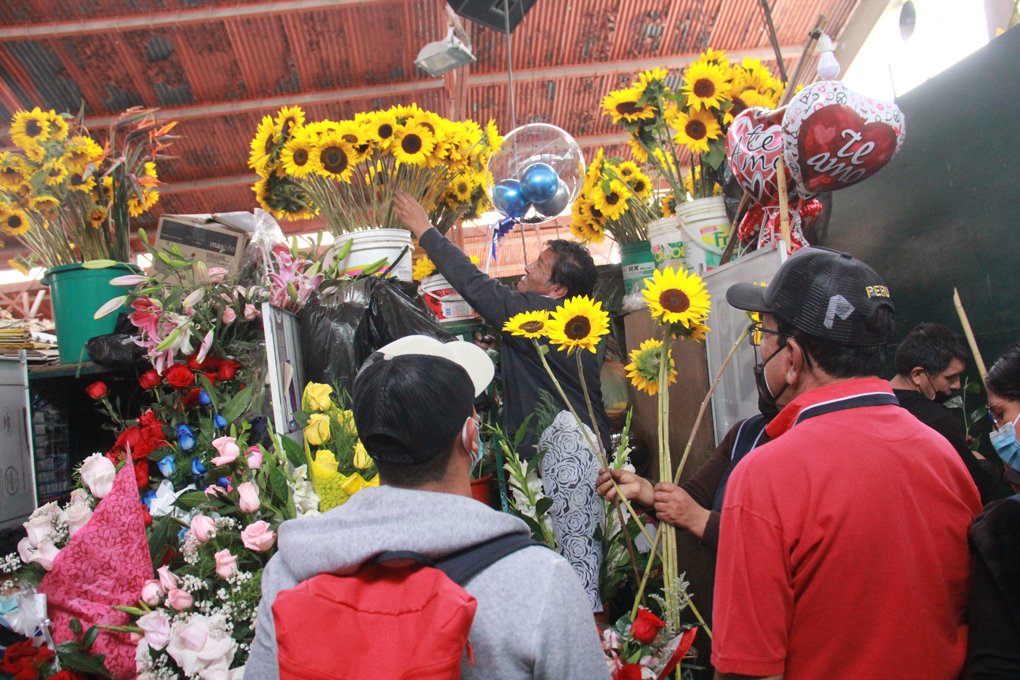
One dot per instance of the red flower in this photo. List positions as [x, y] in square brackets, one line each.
[150, 380]
[146, 517]
[65, 675]
[191, 398]
[142, 473]
[179, 376]
[646, 626]
[228, 369]
[22, 660]
[631, 671]
[97, 390]
[141, 439]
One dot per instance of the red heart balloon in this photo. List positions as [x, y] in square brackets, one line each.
[754, 145]
[833, 138]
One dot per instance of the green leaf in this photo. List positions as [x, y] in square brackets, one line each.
[144, 237]
[160, 534]
[75, 626]
[374, 267]
[972, 388]
[278, 483]
[191, 500]
[237, 405]
[294, 451]
[715, 156]
[543, 505]
[86, 663]
[344, 249]
[90, 637]
[99, 264]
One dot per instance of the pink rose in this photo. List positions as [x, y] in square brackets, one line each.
[226, 564]
[250, 312]
[254, 457]
[214, 490]
[203, 527]
[179, 599]
[167, 579]
[44, 555]
[229, 316]
[228, 450]
[156, 626]
[152, 592]
[258, 537]
[249, 501]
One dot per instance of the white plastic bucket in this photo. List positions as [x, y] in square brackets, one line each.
[374, 245]
[667, 242]
[694, 238]
[443, 300]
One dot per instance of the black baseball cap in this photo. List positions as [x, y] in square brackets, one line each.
[411, 397]
[824, 293]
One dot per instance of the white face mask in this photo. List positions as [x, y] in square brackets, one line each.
[479, 450]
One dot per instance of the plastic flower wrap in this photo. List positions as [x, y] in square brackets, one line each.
[347, 171]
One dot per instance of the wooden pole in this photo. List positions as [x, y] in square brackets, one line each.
[969, 332]
[784, 204]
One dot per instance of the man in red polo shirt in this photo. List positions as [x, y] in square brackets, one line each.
[843, 541]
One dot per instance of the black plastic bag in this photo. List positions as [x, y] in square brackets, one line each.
[117, 349]
[342, 325]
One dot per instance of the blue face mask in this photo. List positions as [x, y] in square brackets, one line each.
[1006, 445]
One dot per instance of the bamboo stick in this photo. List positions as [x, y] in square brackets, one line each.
[969, 332]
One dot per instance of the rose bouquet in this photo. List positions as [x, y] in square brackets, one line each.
[647, 647]
[663, 122]
[69, 199]
[348, 171]
[615, 199]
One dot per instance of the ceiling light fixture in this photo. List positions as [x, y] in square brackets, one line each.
[441, 56]
[828, 67]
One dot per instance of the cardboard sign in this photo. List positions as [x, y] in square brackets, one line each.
[214, 243]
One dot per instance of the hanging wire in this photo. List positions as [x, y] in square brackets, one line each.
[513, 110]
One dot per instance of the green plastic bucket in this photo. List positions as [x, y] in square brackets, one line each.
[76, 293]
[637, 264]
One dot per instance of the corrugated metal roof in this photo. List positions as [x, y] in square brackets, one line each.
[218, 66]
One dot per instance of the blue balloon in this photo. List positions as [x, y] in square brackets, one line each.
[507, 198]
[558, 203]
[219, 421]
[196, 466]
[539, 182]
[203, 398]
[167, 466]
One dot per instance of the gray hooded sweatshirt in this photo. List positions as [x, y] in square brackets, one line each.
[533, 618]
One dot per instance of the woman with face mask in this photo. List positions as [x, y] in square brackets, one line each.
[994, 642]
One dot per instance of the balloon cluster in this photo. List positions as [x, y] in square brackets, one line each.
[535, 175]
[828, 137]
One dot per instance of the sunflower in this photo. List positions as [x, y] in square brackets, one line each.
[578, 324]
[55, 173]
[139, 205]
[531, 325]
[263, 147]
[78, 182]
[640, 184]
[612, 202]
[332, 157]
[645, 362]
[19, 264]
[625, 105]
[638, 151]
[676, 296]
[288, 118]
[58, 126]
[493, 140]
[695, 130]
[11, 171]
[698, 332]
[82, 150]
[380, 127]
[652, 75]
[14, 221]
[413, 144]
[297, 155]
[44, 203]
[97, 217]
[357, 138]
[462, 186]
[705, 86]
[716, 57]
[667, 204]
[423, 267]
[402, 112]
[627, 169]
[29, 128]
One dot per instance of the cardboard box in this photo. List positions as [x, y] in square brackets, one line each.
[216, 241]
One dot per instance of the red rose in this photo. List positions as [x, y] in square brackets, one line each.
[15, 655]
[65, 675]
[150, 380]
[228, 369]
[142, 473]
[631, 671]
[179, 376]
[191, 398]
[146, 517]
[646, 626]
[97, 390]
[212, 363]
[212, 377]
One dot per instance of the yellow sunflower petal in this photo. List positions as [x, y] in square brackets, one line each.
[531, 325]
[677, 296]
[579, 323]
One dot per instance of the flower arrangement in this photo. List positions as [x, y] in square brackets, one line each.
[69, 199]
[662, 121]
[615, 198]
[338, 463]
[348, 171]
[647, 646]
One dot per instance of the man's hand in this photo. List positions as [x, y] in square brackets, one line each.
[633, 487]
[674, 505]
[411, 214]
[485, 341]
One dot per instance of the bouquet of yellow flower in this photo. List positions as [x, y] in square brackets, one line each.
[338, 464]
[348, 171]
[615, 198]
[68, 199]
[663, 122]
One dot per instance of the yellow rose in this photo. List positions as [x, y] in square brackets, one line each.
[316, 397]
[317, 430]
[362, 460]
[346, 420]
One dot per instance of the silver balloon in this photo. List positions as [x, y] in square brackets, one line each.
[557, 204]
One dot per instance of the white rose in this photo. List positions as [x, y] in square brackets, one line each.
[50, 510]
[25, 550]
[45, 554]
[200, 645]
[80, 496]
[97, 472]
[156, 627]
[77, 515]
[39, 530]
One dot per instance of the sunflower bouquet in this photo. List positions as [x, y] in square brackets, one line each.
[68, 199]
[663, 122]
[348, 171]
[615, 198]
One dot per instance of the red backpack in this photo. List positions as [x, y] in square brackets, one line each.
[399, 616]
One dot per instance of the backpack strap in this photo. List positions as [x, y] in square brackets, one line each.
[463, 565]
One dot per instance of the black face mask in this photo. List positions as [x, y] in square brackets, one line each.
[940, 397]
[766, 400]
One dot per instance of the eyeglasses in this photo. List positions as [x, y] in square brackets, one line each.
[757, 331]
